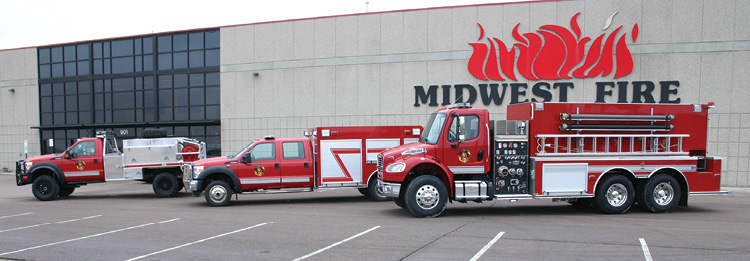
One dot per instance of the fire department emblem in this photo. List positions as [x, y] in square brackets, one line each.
[259, 170]
[464, 155]
[80, 165]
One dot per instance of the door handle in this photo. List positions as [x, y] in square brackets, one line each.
[306, 165]
[480, 155]
[277, 165]
[96, 161]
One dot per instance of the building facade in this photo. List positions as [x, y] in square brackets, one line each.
[232, 84]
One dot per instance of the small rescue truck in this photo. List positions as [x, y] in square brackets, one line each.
[98, 159]
[329, 157]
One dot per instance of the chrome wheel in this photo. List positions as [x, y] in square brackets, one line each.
[217, 193]
[427, 197]
[663, 193]
[617, 195]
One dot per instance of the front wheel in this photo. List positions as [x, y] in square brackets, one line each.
[660, 194]
[45, 188]
[218, 193]
[166, 185]
[614, 195]
[426, 196]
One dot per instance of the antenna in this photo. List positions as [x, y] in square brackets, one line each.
[367, 5]
[459, 97]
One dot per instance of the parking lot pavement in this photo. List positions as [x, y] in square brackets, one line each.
[126, 221]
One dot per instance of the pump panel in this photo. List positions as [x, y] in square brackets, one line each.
[511, 167]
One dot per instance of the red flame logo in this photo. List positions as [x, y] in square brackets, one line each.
[552, 53]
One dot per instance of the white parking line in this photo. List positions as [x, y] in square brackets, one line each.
[487, 246]
[167, 221]
[336, 244]
[16, 215]
[199, 241]
[76, 239]
[646, 252]
[44, 224]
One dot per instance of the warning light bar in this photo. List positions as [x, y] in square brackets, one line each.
[614, 117]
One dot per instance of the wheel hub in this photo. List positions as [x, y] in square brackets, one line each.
[217, 193]
[427, 197]
[617, 194]
[663, 193]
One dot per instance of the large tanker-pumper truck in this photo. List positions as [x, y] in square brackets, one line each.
[98, 159]
[328, 157]
[606, 155]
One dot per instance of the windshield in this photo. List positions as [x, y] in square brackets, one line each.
[234, 156]
[433, 128]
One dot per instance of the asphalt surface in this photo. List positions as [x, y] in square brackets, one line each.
[126, 221]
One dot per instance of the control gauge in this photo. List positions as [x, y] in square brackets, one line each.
[519, 172]
[503, 171]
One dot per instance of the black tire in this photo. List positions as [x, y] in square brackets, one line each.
[363, 191]
[373, 192]
[660, 194]
[218, 193]
[45, 188]
[426, 196]
[166, 185]
[614, 195]
[66, 191]
[400, 202]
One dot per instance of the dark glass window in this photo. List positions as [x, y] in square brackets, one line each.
[113, 82]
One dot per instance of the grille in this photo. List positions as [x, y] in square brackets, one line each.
[380, 163]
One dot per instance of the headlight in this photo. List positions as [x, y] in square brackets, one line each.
[29, 164]
[396, 167]
[197, 171]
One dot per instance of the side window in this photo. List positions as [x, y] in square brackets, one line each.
[263, 151]
[293, 150]
[471, 128]
[86, 148]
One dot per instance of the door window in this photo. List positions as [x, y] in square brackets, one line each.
[293, 150]
[263, 151]
[86, 148]
[471, 128]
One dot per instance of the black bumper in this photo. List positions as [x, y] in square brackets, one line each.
[22, 178]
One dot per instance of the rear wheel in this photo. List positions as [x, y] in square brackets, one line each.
[614, 195]
[374, 192]
[660, 194]
[426, 196]
[45, 188]
[166, 185]
[218, 193]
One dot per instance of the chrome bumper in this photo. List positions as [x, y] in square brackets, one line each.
[391, 190]
[191, 185]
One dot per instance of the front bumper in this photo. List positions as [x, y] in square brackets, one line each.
[22, 178]
[389, 189]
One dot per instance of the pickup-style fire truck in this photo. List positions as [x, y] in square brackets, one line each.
[98, 159]
[607, 155]
[329, 157]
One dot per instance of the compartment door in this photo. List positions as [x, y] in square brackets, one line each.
[340, 161]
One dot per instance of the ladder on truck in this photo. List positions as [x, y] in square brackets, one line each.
[612, 144]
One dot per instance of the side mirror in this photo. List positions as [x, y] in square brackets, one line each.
[246, 158]
[66, 155]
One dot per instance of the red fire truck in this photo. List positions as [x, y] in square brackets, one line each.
[98, 159]
[607, 155]
[329, 157]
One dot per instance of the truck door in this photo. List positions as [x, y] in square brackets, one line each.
[296, 165]
[259, 168]
[467, 145]
[83, 162]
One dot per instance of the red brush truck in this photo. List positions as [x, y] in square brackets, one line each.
[329, 157]
[98, 159]
[607, 155]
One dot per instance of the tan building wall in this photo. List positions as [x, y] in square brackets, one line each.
[19, 106]
[362, 69]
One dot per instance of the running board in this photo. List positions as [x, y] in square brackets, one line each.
[700, 193]
[514, 196]
[277, 191]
